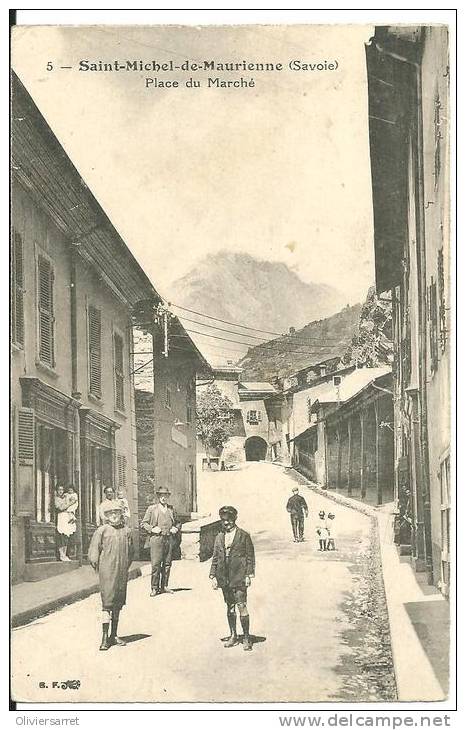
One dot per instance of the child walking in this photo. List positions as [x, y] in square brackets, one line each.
[330, 530]
[322, 530]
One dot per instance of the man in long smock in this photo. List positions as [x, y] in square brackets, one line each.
[110, 554]
[161, 525]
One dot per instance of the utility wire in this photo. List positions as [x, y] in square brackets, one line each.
[224, 321]
[264, 345]
[142, 366]
[308, 341]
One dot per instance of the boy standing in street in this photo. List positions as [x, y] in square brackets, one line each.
[233, 565]
[110, 554]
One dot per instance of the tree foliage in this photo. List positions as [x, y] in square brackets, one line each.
[372, 346]
[214, 412]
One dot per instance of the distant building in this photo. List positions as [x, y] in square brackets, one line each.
[408, 78]
[256, 432]
[343, 437]
[309, 374]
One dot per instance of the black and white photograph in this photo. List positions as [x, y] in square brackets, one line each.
[231, 363]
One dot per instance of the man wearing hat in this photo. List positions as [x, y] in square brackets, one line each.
[161, 526]
[232, 568]
[297, 507]
[110, 554]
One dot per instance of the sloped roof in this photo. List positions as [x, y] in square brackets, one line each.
[42, 166]
[257, 386]
[351, 384]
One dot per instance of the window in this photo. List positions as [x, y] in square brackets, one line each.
[433, 322]
[168, 397]
[438, 137]
[337, 380]
[100, 477]
[192, 506]
[189, 414]
[45, 297]
[445, 524]
[17, 291]
[442, 303]
[309, 409]
[122, 462]
[95, 352]
[323, 370]
[254, 417]
[51, 463]
[118, 372]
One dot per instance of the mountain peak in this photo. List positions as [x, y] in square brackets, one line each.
[238, 287]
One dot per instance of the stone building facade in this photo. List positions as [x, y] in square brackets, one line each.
[408, 78]
[74, 286]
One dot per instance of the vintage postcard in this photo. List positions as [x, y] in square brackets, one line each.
[230, 363]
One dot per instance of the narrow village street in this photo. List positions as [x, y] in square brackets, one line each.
[318, 619]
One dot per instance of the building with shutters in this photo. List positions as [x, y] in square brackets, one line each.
[76, 294]
[256, 428]
[408, 81]
[166, 423]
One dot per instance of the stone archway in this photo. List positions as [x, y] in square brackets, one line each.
[255, 448]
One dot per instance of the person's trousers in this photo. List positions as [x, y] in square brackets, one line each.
[160, 558]
[297, 523]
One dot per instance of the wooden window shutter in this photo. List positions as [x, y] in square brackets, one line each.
[122, 462]
[25, 453]
[259, 416]
[17, 304]
[119, 374]
[46, 312]
[95, 352]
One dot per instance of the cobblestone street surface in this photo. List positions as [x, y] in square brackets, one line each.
[319, 619]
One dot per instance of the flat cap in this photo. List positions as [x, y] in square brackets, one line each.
[228, 510]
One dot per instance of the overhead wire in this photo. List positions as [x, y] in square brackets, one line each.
[234, 324]
[266, 344]
[309, 340]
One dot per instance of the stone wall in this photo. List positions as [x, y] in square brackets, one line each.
[198, 537]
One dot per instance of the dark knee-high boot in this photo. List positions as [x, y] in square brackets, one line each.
[247, 644]
[113, 636]
[105, 643]
[233, 639]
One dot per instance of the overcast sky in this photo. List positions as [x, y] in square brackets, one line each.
[280, 170]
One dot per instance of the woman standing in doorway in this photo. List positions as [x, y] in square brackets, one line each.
[66, 505]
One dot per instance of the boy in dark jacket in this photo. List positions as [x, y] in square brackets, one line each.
[233, 565]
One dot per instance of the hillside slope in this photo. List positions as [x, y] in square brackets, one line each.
[317, 341]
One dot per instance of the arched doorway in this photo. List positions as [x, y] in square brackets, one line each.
[255, 448]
